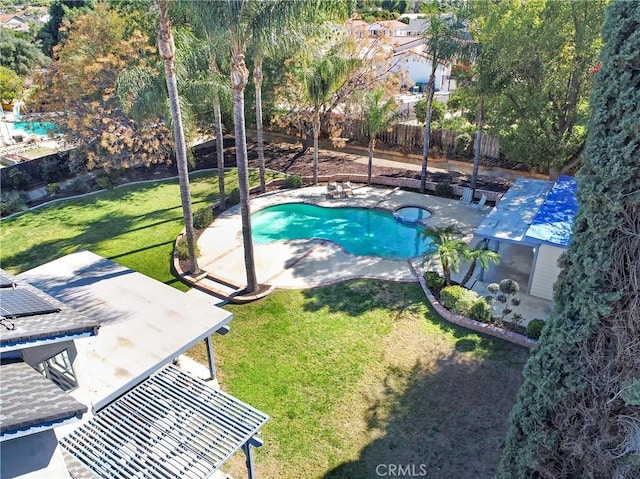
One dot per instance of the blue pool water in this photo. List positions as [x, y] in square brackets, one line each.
[31, 128]
[361, 232]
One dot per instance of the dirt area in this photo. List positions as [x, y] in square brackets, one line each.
[282, 157]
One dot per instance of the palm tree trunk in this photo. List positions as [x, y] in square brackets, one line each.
[427, 132]
[239, 76]
[166, 48]
[476, 153]
[316, 135]
[219, 150]
[257, 81]
[372, 145]
[469, 273]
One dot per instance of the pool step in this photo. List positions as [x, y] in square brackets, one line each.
[218, 287]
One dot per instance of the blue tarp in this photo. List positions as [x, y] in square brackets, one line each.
[554, 220]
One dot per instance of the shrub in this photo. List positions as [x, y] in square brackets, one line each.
[202, 218]
[81, 184]
[463, 144]
[481, 311]
[534, 328]
[444, 190]
[50, 170]
[437, 111]
[234, 196]
[503, 298]
[182, 249]
[293, 181]
[104, 182]
[13, 201]
[53, 188]
[18, 179]
[457, 299]
[433, 280]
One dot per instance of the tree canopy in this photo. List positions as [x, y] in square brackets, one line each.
[11, 85]
[578, 411]
[539, 58]
[81, 83]
[18, 54]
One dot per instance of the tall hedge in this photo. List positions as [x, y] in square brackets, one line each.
[578, 411]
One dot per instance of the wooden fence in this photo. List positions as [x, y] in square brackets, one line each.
[411, 137]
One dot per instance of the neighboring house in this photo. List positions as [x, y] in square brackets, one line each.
[536, 215]
[14, 21]
[137, 405]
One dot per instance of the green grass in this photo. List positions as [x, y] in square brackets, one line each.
[133, 225]
[365, 372]
[353, 375]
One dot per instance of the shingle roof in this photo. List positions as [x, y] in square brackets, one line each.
[28, 399]
[20, 332]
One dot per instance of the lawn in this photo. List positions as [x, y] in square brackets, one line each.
[362, 374]
[353, 375]
[133, 225]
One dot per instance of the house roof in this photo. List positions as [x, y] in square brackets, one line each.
[30, 402]
[554, 221]
[534, 212]
[29, 317]
[145, 324]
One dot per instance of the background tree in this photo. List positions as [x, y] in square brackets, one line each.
[50, 34]
[18, 54]
[541, 54]
[445, 39]
[578, 411]
[11, 85]
[81, 82]
[379, 116]
[167, 50]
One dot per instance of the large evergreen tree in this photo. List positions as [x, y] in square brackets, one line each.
[578, 411]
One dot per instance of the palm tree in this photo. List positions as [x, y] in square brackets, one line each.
[445, 39]
[447, 248]
[239, 21]
[322, 80]
[378, 117]
[166, 49]
[480, 254]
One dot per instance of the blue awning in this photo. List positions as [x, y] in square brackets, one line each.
[554, 221]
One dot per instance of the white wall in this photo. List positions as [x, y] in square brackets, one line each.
[545, 272]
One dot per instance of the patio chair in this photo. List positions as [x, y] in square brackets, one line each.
[332, 190]
[480, 204]
[347, 191]
[467, 196]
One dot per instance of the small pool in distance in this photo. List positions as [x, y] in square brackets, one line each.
[360, 231]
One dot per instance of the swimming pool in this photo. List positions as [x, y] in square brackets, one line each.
[26, 128]
[360, 231]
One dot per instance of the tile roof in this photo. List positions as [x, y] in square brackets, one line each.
[24, 331]
[28, 399]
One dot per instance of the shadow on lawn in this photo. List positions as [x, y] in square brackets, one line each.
[442, 421]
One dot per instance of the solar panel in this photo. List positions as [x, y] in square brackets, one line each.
[15, 302]
[5, 281]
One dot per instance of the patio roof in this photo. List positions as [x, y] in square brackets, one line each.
[170, 426]
[510, 220]
[144, 324]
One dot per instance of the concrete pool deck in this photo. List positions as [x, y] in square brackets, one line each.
[308, 263]
[301, 264]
